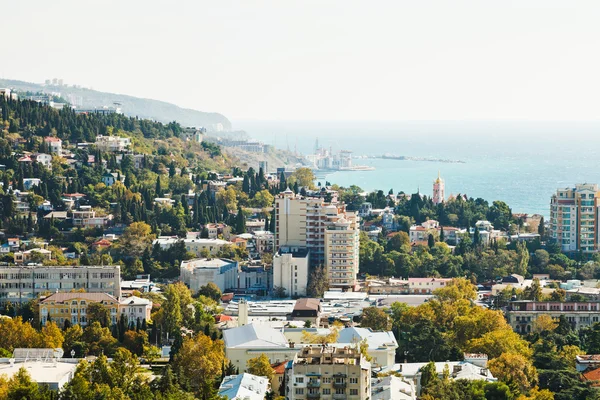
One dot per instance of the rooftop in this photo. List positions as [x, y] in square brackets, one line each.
[49, 373]
[254, 336]
[244, 386]
[94, 297]
[307, 304]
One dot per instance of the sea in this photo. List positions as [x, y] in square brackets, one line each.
[519, 162]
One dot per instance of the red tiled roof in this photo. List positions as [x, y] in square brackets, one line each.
[95, 297]
[279, 368]
[222, 318]
[593, 375]
[52, 139]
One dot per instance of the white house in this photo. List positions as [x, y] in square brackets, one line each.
[135, 308]
[55, 144]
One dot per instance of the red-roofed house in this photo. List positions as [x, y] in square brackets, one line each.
[55, 144]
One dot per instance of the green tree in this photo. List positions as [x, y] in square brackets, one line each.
[260, 366]
[210, 290]
[376, 319]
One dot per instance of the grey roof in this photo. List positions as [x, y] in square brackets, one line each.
[254, 336]
[244, 386]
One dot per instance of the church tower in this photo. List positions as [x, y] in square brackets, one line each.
[438, 190]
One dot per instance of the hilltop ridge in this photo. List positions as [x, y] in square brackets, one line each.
[158, 110]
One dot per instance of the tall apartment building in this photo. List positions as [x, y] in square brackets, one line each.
[321, 227]
[342, 251]
[328, 372]
[574, 218]
[19, 284]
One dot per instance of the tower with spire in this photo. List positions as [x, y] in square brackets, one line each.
[438, 190]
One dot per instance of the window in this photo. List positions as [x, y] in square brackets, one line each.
[299, 390]
[300, 380]
[326, 391]
[353, 380]
[353, 392]
[326, 380]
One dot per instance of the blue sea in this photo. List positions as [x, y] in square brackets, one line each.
[521, 163]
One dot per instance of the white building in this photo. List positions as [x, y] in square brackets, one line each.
[438, 190]
[473, 367]
[199, 272]
[44, 159]
[114, 144]
[250, 341]
[290, 270]
[51, 372]
[24, 283]
[427, 285]
[244, 387]
[135, 308]
[196, 246]
[392, 388]
[55, 145]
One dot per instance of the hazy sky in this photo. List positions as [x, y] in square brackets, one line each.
[320, 60]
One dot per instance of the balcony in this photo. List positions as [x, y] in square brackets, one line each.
[337, 396]
[315, 395]
[314, 384]
[339, 385]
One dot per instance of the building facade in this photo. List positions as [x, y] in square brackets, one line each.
[199, 272]
[135, 308]
[73, 307]
[23, 283]
[328, 372]
[522, 314]
[321, 227]
[574, 218]
[290, 270]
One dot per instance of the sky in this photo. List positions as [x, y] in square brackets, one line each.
[320, 60]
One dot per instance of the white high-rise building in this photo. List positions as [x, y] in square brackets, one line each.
[438, 190]
[573, 218]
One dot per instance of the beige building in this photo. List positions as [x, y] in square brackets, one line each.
[522, 314]
[574, 218]
[135, 308]
[329, 373]
[196, 246]
[23, 283]
[306, 222]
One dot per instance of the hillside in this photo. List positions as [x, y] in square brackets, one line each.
[131, 106]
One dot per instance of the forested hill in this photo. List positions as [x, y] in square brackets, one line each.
[131, 106]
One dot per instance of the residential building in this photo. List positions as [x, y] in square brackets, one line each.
[114, 144]
[73, 307]
[426, 285]
[24, 283]
[324, 371]
[574, 218]
[196, 246]
[29, 183]
[249, 341]
[135, 308]
[290, 270]
[342, 251]
[55, 145]
[420, 233]
[44, 159]
[85, 217]
[244, 387]
[438, 190]
[313, 223]
[200, 271]
[110, 178]
[522, 314]
[22, 257]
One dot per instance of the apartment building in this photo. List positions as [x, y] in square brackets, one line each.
[19, 284]
[321, 227]
[73, 307]
[196, 246]
[522, 314]
[328, 372]
[342, 251]
[574, 218]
